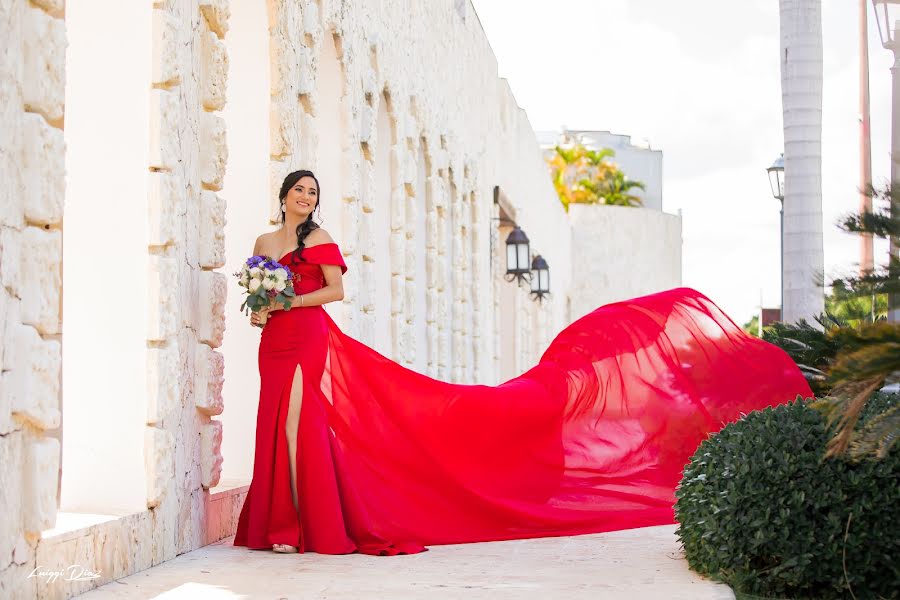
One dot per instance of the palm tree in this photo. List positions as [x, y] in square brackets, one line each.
[614, 189]
[584, 176]
[801, 94]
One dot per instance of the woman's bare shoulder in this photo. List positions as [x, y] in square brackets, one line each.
[318, 236]
[263, 241]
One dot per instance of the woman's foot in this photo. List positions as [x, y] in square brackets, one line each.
[285, 548]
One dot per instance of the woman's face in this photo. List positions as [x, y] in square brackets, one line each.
[302, 199]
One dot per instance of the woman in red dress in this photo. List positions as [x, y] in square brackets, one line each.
[356, 453]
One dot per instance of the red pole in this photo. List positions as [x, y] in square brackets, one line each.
[866, 252]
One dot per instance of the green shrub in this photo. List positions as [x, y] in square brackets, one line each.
[760, 509]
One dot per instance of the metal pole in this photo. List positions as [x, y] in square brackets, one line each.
[781, 246]
[866, 253]
[894, 299]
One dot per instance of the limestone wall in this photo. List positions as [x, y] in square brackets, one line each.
[32, 83]
[398, 108]
[622, 253]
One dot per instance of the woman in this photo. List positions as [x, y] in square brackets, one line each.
[355, 453]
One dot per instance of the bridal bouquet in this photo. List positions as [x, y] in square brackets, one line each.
[267, 282]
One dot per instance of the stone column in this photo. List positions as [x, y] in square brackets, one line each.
[32, 170]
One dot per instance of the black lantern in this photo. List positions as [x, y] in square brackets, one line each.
[776, 177]
[887, 19]
[540, 278]
[517, 256]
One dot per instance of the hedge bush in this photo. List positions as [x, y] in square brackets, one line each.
[760, 509]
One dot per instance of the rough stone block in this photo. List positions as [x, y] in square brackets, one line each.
[410, 291]
[52, 6]
[311, 18]
[163, 387]
[214, 69]
[165, 48]
[431, 305]
[397, 294]
[41, 279]
[162, 278]
[432, 267]
[442, 275]
[10, 493]
[366, 328]
[44, 165]
[397, 324]
[410, 250]
[366, 288]
[9, 309]
[213, 150]
[210, 375]
[31, 385]
[212, 230]
[159, 463]
[216, 13]
[350, 226]
[165, 208]
[367, 124]
[398, 209]
[11, 260]
[441, 240]
[41, 474]
[164, 119]
[210, 453]
[44, 71]
[397, 246]
[213, 293]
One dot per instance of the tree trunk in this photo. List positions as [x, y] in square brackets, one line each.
[801, 96]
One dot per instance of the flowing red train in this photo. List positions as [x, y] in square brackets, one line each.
[593, 438]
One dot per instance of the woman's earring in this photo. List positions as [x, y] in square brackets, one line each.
[282, 207]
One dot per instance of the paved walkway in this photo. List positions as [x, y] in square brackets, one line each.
[635, 564]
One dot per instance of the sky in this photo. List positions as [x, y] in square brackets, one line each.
[700, 80]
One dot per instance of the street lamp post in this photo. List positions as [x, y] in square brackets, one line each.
[776, 181]
[886, 15]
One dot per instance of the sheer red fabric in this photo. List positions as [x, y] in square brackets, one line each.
[593, 438]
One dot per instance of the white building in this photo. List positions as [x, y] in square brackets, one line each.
[140, 162]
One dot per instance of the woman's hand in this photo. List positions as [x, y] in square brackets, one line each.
[258, 319]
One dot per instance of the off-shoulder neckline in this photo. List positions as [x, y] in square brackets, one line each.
[305, 248]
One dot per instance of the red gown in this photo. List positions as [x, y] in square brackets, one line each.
[593, 438]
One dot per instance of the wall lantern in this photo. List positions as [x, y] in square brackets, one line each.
[517, 256]
[540, 278]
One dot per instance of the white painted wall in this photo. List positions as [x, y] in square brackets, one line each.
[420, 283]
[380, 237]
[326, 161]
[246, 190]
[622, 252]
[105, 257]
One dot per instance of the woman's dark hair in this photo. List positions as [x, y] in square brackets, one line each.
[306, 227]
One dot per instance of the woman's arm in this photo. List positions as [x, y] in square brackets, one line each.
[258, 319]
[332, 291]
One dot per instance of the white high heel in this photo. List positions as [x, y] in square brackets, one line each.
[285, 548]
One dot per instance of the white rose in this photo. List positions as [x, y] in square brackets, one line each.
[280, 285]
[255, 272]
[254, 285]
[280, 274]
[268, 283]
